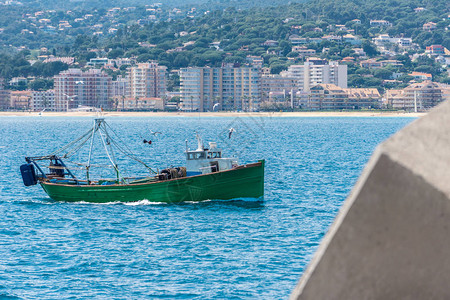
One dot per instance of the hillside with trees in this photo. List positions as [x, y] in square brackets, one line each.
[207, 4]
[206, 37]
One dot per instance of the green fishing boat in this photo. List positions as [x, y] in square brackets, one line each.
[207, 174]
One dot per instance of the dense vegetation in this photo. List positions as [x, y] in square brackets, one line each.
[240, 33]
[96, 4]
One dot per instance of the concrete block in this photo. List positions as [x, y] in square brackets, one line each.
[391, 238]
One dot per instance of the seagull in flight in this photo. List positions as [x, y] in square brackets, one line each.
[230, 132]
[215, 105]
[155, 132]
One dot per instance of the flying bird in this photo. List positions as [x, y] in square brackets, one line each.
[155, 132]
[215, 105]
[230, 132]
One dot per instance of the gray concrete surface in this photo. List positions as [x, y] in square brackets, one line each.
[391, 239]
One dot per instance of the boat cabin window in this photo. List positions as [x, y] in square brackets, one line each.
[214, 154]
[196, 155]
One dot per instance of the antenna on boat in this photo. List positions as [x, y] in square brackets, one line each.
[99, 112]
[199, 142]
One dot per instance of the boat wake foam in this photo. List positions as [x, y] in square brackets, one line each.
[134, 203]
[234, 200]
[143, 202]
[93, 203]
[33, 201]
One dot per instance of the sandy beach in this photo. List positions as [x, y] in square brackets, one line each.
[220, 114]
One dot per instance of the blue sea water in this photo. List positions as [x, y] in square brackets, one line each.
[239, 249]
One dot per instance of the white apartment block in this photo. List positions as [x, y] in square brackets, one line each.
[229, 88]
[120, 87]
[420, 96]
[303, 51]
[330, 96]
[75, 88]
[277, 88]
[380, 23]
[147, 80]
[316, 72]
[41, 100]
[385, 40]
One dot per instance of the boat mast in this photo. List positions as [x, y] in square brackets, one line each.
[97, 123]
[114, 164]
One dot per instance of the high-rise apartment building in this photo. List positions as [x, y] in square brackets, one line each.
[120, 87]
[41, 100]
[317, 71]
[4, 96]
[147, 80]
[227, 88]
[75, 88]
[278, 89]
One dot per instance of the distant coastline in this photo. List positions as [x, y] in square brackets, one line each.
[221, 114]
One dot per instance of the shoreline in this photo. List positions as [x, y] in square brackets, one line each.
[218, 114]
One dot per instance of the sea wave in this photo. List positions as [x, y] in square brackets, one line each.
[213, 249]
[143, 202]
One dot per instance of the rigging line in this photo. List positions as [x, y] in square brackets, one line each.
[94, 129]
[127, 150]
[62, 168]
[130, 153]
[84, 165]
[132, 156]
[107, 142]
[107, 152]
[119, 147]
[111, 148]
[69, 153]
[112, 130]
[124, 151]
[71, 143]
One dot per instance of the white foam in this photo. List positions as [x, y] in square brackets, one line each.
[143, 202]
[94, 203]
[196, 202]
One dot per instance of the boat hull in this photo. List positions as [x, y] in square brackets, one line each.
[246, 181]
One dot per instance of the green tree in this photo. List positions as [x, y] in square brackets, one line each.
[277, 68]
[40, 84]
[180, 61]
[369, 48]
[173, 83]
[383, 73]
[53, 68]
[115, 53]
